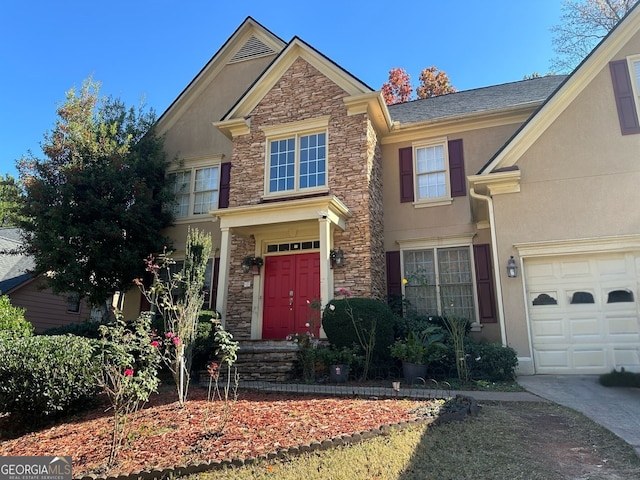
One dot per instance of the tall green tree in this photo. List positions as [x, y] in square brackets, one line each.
[10, 201]
[94, 204]
[583, 23]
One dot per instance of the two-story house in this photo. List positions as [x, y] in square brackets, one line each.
[512, 205]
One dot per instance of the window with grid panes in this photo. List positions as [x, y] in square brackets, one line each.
[196, 191]
[431, 172]
[297, 163]
[440, 281]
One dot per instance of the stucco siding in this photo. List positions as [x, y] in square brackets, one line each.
[404, 221]
[192, 135]
[579, 180]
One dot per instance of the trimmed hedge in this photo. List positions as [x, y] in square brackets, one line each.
[45, 376]
[12, 321]
[86, 329]
[620, 378]
[338, 324]
[491, 361]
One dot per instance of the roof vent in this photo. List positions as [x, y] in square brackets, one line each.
[253, 48]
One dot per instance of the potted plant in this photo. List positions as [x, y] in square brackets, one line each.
[252, 263]
[339, 361]
[414, 352]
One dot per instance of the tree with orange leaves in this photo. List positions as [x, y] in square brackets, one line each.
[398, 89]
[434, 82]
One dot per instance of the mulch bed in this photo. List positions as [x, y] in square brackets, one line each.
[164, 435]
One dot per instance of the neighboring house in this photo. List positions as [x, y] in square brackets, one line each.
[287, 156]
[42, 308]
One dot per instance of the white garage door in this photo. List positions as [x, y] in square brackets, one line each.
[583, 312]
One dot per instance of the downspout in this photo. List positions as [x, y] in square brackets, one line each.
[494, 254]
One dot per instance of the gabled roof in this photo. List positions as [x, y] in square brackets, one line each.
[479, 100]
[14, 267]
[250, 40]
[574, 84]
[295, 49]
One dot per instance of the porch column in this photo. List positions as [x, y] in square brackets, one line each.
[223, 274]
[326, 279]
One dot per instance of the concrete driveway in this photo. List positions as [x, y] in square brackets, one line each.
[615, 408]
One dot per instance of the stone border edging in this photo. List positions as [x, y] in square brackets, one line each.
[472, 409]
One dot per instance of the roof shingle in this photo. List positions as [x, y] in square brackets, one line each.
[495, 97]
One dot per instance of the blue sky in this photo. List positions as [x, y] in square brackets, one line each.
[140, 48]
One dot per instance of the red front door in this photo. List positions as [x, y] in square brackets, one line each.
[292, 283]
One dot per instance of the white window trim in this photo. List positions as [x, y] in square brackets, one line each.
[463, 240]
[438, 201]
[192, 165]
[296, 129]
[635, 81]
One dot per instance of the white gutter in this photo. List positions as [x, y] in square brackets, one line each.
[494, 254]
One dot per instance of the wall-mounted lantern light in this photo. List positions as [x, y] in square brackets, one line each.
[337, 258]
[512, 268]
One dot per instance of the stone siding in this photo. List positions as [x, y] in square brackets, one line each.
[354, 175]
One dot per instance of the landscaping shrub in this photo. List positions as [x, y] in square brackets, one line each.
[12, 321]
[204, 345]
[86, 329]
[339, 325]
[491, 361]
[45, 376]
[411, 321]
[620, 378]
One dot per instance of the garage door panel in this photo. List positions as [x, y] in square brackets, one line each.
[626, 326]
[585, 328]
[614, 267]
[594, 357]
[551, 359]
[627, 358]
[573, 269]
[541, 271]
[577, 325]
[550, 329]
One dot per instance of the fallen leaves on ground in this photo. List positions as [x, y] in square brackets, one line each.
[163, 434]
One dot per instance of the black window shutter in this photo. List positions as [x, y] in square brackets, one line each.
[457, 179]
[225, 182]
[406, 174]
[625, 101]
[394, 281]
[484, 284]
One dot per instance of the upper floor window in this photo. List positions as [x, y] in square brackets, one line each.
[296, 157]
[298, 163]
[431, 172]
[196, 190]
